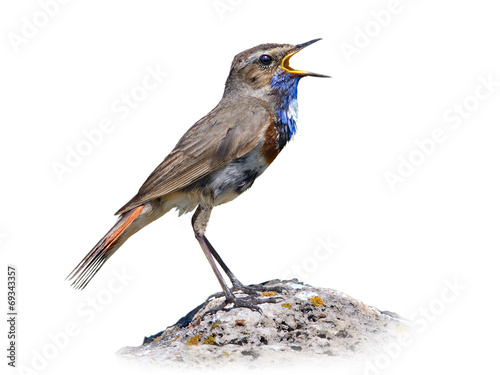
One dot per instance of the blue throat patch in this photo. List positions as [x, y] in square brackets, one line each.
[285, 86]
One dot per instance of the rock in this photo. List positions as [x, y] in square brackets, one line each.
[309, 324]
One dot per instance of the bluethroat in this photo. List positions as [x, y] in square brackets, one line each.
[217, 159]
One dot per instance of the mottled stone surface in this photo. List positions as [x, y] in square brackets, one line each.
[309, 325]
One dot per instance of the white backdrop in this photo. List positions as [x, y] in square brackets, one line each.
[389, 191]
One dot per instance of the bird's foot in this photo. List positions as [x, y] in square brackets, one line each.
[248, 302]
[251, 290]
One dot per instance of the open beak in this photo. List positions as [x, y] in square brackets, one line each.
[285, 64]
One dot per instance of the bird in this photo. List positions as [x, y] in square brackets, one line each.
[215, 161]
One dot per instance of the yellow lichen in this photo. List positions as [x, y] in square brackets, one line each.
[194, 340]
[287, 305]
[268, 294]
[317, 301]
[209, 340]
[216, 324]
[175, 339]
[156, 338]
[225, 353]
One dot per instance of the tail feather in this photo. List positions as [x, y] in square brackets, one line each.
[107, 246]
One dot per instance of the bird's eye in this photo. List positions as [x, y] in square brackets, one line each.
[265, 60]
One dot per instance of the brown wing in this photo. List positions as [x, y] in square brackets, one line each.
[226, 133]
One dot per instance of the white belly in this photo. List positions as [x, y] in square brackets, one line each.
[219, 187]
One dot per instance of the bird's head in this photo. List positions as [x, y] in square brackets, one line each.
[260, 67]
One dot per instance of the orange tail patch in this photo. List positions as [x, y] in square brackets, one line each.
[117, 233]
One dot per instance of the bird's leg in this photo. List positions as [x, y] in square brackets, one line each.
[237, 284]
[199, 222]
